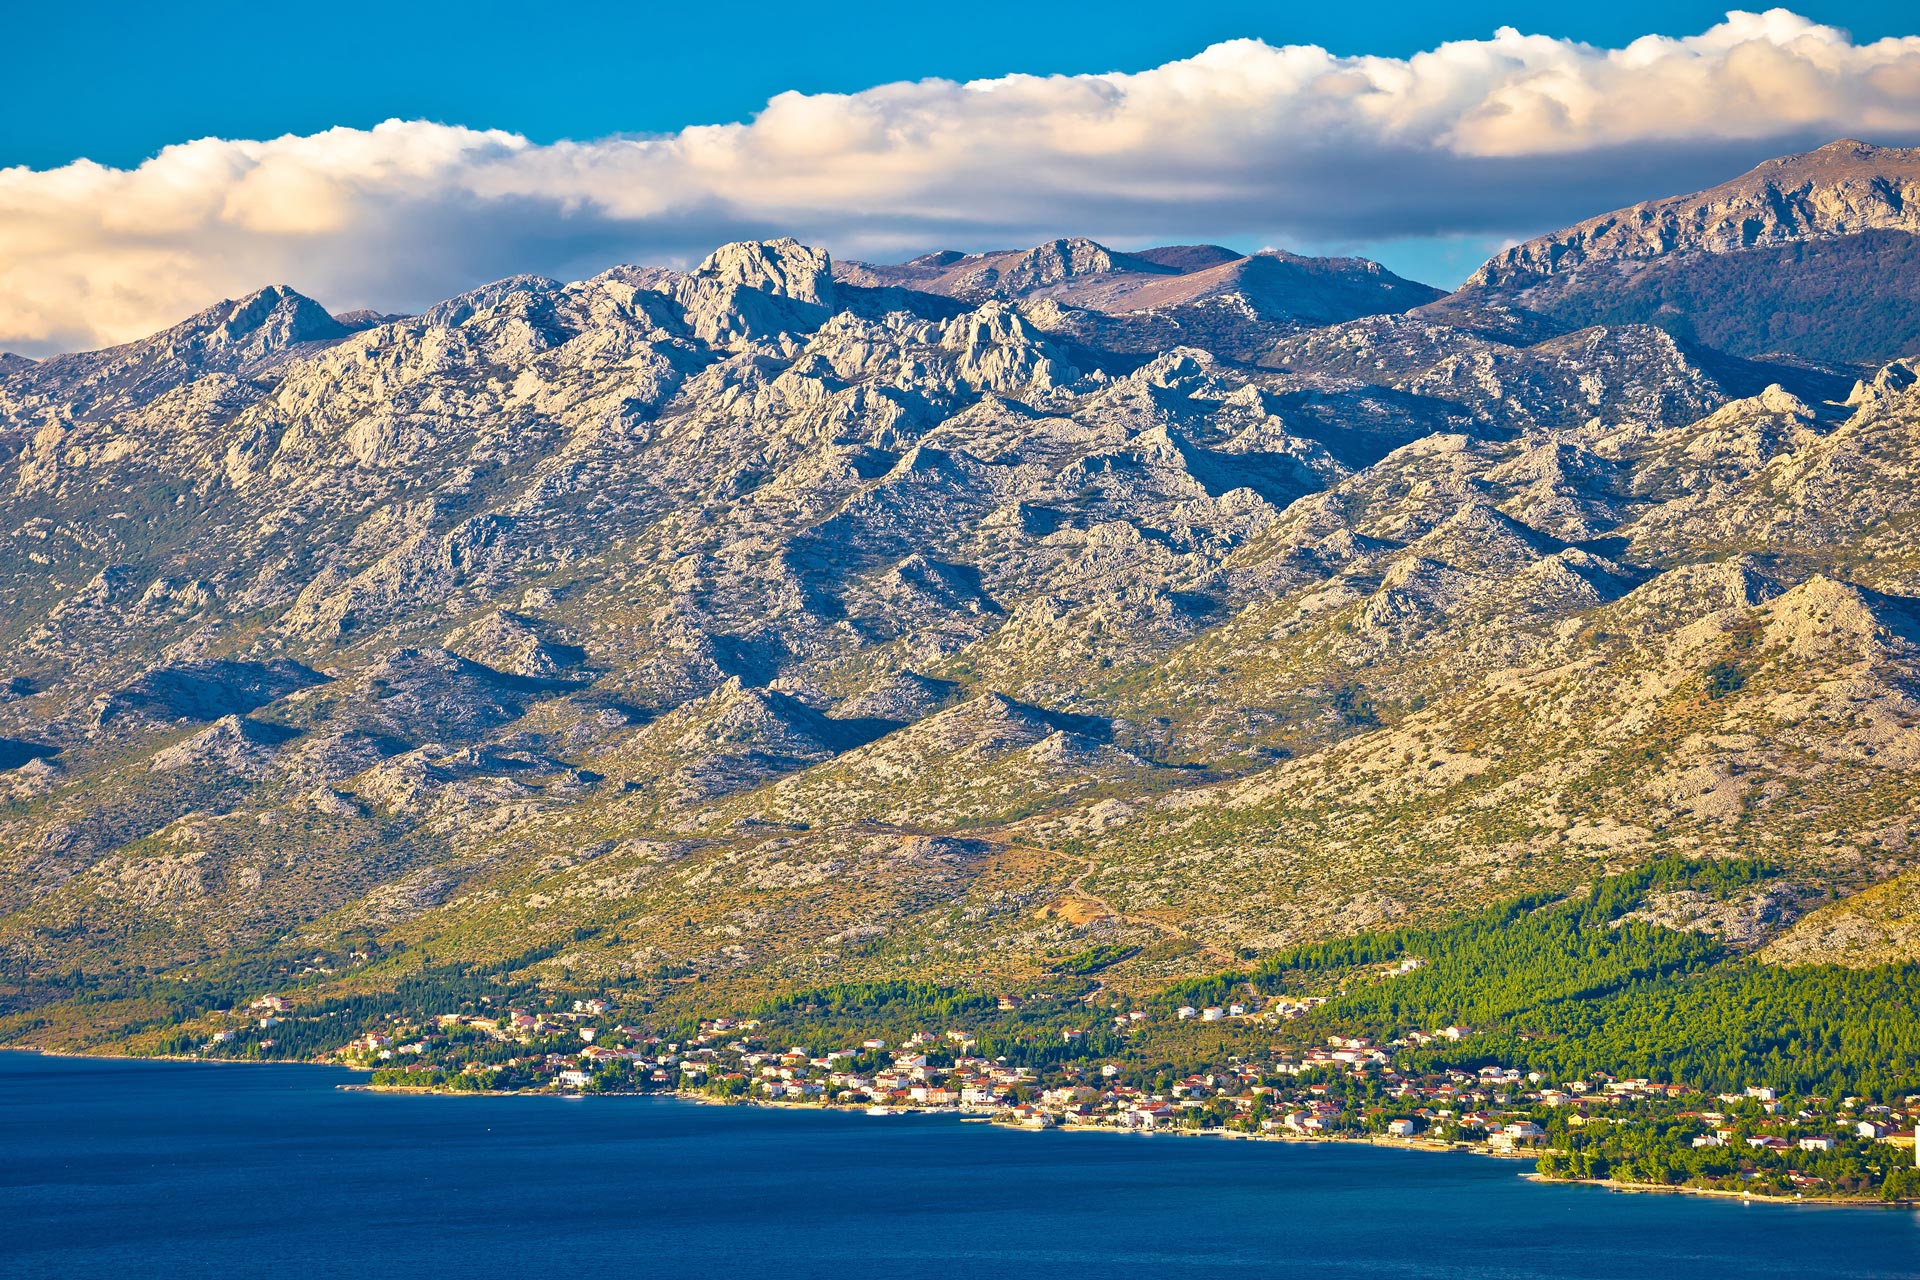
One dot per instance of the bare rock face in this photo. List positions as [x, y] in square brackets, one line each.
[1815, 254]
[238, 337]
[778, 601]
[233, 744]
[515, 644]
[1842, 189]
[784, 267]
[1888, 386]
[1878, 926]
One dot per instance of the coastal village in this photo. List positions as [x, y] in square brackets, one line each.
[1752, 1141]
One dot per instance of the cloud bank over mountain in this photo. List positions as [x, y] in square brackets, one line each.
[1504, 136]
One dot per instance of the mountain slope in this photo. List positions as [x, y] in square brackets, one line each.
[1814, 254]
[769, 625]
[1844, 188]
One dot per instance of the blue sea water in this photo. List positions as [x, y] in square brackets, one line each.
[165, 1169]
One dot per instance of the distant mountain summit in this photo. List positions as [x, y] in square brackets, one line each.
[1842, 189]
[1816, 254]
[1052, 269]
[1081, 273]
[239, 337]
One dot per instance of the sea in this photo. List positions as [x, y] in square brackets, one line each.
[156, 1169]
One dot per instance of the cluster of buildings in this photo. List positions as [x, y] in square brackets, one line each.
[1346, 1086]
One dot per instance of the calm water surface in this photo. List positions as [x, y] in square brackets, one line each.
[163, 1169]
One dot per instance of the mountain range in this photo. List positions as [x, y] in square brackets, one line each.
[786, 620]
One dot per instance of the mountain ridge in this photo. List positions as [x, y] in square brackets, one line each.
[1842, 188]
[1816, 254]
[1082, 273]
[688, 621]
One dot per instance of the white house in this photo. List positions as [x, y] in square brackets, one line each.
[1521, 1133]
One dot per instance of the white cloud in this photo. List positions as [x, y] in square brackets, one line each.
[1490, 138]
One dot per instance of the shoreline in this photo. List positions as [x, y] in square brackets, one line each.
[1718, 1193]
[194, 1058]
[976, 1115]
[1382, 1142]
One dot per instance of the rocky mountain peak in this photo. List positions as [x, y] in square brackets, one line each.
[1064, 259]
[1055, 268]
[1890, 383]
[1843, 188]
[784, 267]
[463, 306]
[269, 321]
[1817, 254]
[1775, 398]
[246, 337]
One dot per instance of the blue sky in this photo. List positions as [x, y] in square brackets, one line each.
[387, 156]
